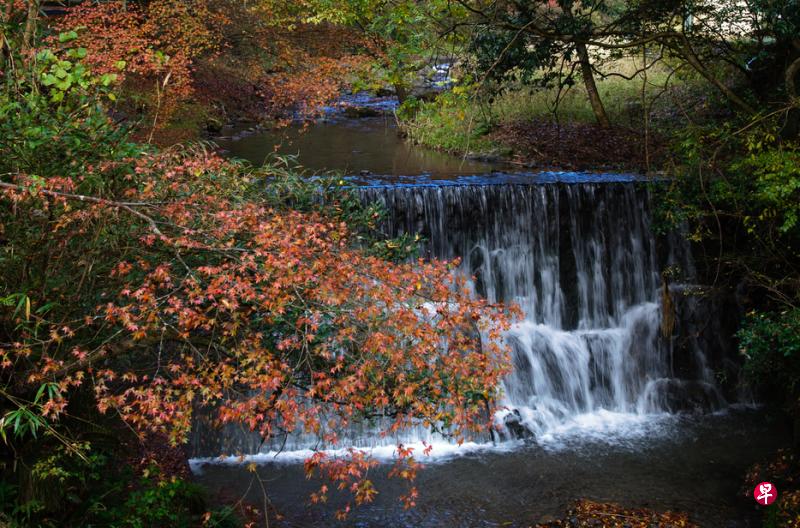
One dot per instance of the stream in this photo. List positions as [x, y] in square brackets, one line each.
[693, 464]
[599, 404]
[350, 146]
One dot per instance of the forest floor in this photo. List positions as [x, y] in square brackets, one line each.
[587, 513]
[543, 144]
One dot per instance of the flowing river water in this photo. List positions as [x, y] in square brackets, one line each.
[599, 405]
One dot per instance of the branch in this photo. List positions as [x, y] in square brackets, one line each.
[126, 206]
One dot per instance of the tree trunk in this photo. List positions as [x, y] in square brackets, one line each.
[30, 24]
[5, 46]
[692, 59]
[591, 88]
[791, 125]
[791, 84]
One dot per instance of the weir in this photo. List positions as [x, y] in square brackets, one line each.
[583, 262]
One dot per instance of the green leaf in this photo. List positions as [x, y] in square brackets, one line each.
[65, 84]
[17, 416]
[40, 392]
[23, 302]
[67, 36]
[45, 56]
[46, 308]
[108, 78]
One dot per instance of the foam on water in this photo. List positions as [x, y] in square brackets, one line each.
[590, 362]
[607, 427]
[602, 426]
[439, 452]
[581, 260]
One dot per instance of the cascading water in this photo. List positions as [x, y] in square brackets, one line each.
[583, 263]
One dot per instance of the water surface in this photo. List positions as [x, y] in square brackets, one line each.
[595, 382]
[689, 463]
[351, 146]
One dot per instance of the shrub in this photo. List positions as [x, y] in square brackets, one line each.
[146, 286]
[770, 343]
[54, 121]
[451, 123]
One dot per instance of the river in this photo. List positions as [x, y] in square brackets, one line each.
[600, 405]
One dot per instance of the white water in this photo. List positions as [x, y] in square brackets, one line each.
[589, 358]
[582, 262]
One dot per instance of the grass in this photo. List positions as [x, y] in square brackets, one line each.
[459, 121]
[621, 97]
[451, 123]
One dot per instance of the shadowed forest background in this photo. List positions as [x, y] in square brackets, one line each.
[155, 287]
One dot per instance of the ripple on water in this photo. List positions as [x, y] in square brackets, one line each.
[593, 430]
[692, 463]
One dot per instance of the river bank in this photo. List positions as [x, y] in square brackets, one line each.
[361, 134]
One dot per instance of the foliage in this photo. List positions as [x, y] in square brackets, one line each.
[64, 484]
[771, 346]
[736, 186]
[741, 49]
[401, 36]
[142, 286]
[609, 515]
[169, 502]
[504, 53]
[53, 117]
[84, 485]
[449, 123]
[174, 52]
[155, 48]
[177, 282]
[776, 170]
[468, 119]
[783, 470]
[622, 98]
[305, 92]
[787, 512]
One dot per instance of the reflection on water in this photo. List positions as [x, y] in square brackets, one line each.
[604, 451]
[690, 463]
[351, 146]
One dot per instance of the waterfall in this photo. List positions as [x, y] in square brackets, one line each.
[582, 262]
